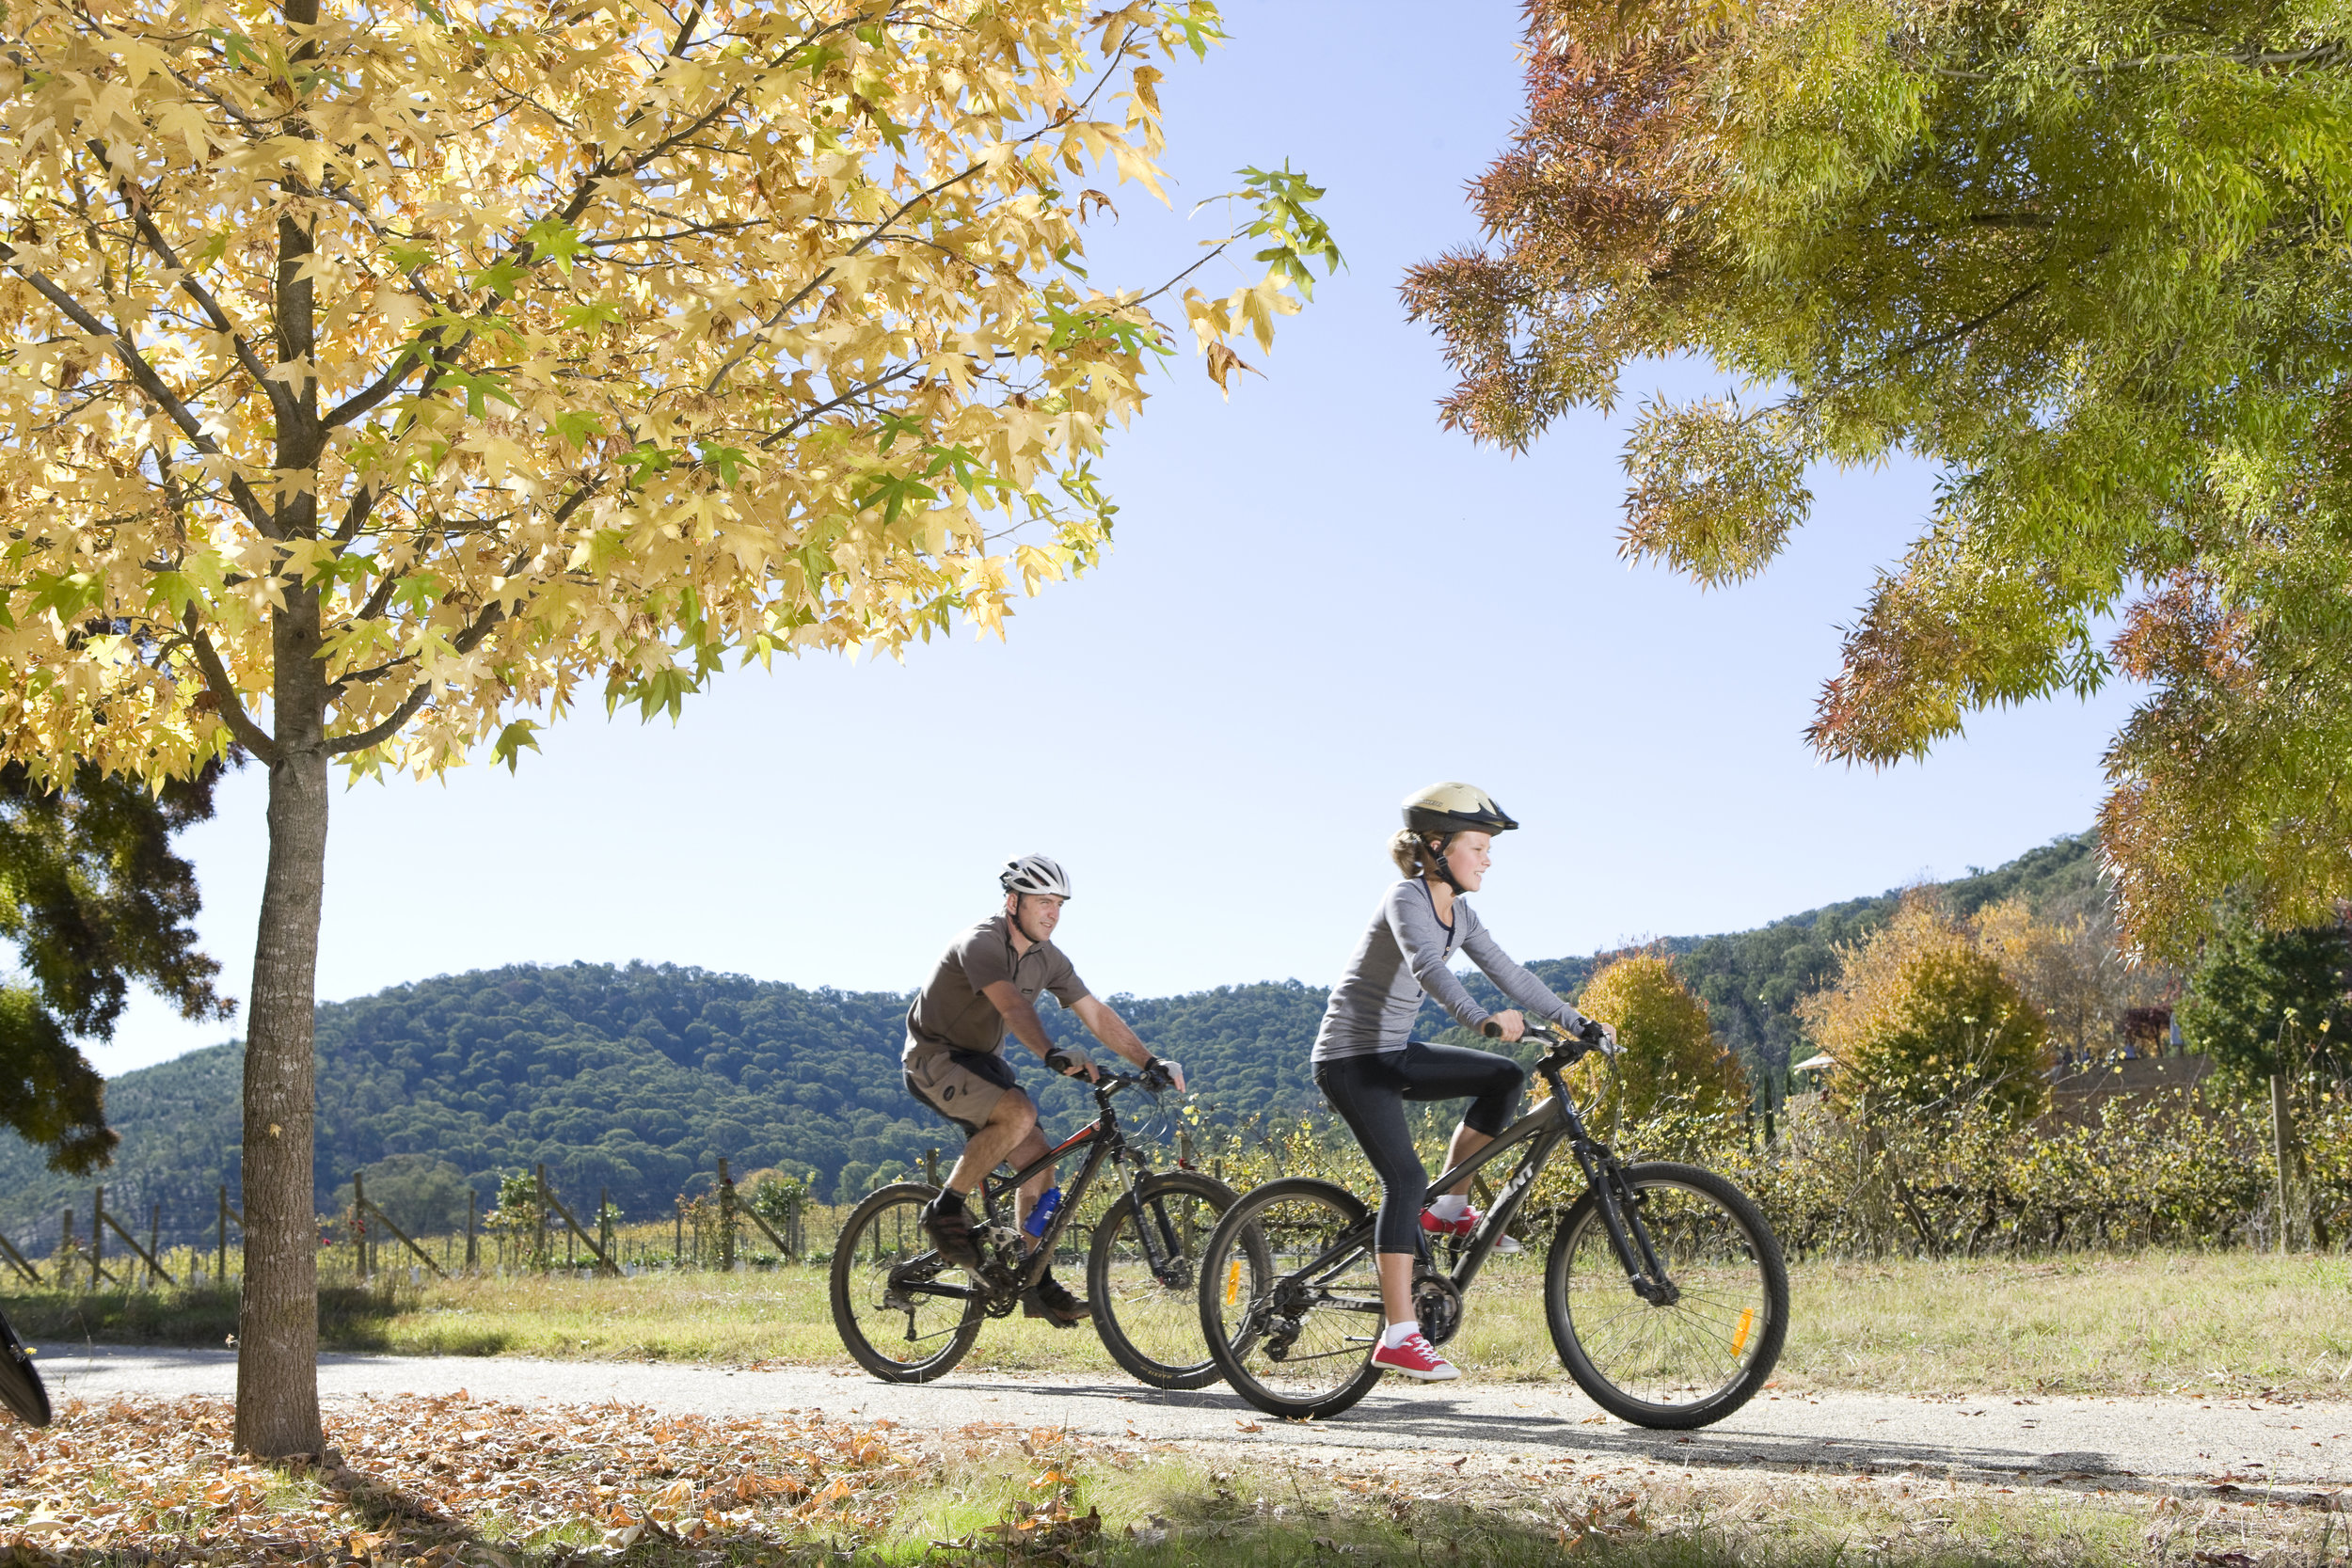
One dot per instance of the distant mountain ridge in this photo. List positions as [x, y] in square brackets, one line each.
[638, 1079]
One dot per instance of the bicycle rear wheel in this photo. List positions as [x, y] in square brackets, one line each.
[1697, 1357]
[1290, 1298]
[886, 1280]
[1148, 1313]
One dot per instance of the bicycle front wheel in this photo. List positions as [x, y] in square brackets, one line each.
[1290, 1298]
[1143, 1275]
[1702, 1351]
[906, 1314]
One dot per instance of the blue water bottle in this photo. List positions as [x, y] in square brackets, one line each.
[1042, 1215]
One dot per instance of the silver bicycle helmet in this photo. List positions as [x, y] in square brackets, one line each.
[1034, 874]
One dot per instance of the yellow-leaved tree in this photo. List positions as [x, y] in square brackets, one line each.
[1670, 1058]
[1921, 1019]
[381, 374]
[2069, 966]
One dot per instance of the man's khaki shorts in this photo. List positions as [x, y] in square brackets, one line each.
[961, 1086]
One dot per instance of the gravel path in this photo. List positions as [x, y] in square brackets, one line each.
[2162, 1444]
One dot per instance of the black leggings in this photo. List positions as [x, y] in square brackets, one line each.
[1370, 1092]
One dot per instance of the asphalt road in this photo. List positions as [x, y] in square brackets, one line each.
[2174, 1444]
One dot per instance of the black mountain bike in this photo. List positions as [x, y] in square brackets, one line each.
[908, 1315]
[1664, 1288]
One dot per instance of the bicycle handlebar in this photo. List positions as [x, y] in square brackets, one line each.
[1565, 1049]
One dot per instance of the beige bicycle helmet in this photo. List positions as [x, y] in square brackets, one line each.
[1454, 808]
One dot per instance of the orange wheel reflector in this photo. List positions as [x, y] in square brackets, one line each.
[1739, 1341]
[1233, 1284]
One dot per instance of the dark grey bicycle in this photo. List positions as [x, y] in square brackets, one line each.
[908, 1315]
[1665, 1288]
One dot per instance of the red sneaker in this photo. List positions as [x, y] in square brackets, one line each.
[1462, 1226]
[1417, 1359]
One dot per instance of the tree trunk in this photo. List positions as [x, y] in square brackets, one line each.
[278, 1338]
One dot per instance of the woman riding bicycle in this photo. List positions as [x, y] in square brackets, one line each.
[1367, 1063]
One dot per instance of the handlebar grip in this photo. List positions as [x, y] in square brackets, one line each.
[1492, 1030]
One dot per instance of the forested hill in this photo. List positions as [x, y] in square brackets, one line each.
[638, 1079]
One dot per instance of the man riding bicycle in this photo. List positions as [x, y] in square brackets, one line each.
[1367, 1063]
[987, 982]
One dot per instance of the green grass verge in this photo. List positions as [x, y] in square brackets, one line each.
[2152, 1322]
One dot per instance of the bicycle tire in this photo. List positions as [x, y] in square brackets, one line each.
[20, 1389]
[1287, 1219]
[1141, 1318]
[1690, 1363]
[865, 1261]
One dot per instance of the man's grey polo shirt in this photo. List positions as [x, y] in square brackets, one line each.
[952, 1013]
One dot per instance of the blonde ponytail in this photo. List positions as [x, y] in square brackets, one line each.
[1412, 854]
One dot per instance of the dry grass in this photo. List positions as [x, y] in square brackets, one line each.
[449, 1483]
[2152, 1322]
[2091, 1325]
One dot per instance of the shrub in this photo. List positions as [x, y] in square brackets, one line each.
[1920, 1020]
[2142, 1174]
[1671, 1062]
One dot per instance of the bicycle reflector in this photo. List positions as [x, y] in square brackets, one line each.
[1233, 1284]
[1739, 1341]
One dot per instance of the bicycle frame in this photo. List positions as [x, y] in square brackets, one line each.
[1545, 1127]
[1102, 1141]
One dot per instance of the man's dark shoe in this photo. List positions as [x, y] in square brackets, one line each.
[950, 1230]
[1047, 1299]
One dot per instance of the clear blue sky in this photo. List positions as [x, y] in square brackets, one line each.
[1317, 601]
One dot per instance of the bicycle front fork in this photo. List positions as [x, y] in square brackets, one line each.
[1621, 1212]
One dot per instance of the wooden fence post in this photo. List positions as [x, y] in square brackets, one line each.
[154, 1229]
[65, 1251]
[146, 1255]
[931, 1166]
[18, 1261]
[677, 1245]
[542, 1258]
[361, 1209]
[604, 1226]
[359, 1225]
[726, 1217]
[97, 1236]
[2281, 1142]
[473, 1254]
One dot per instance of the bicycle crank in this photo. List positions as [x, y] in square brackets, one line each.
[1438, 1303]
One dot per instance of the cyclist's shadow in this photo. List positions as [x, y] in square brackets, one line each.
[1435, 1421]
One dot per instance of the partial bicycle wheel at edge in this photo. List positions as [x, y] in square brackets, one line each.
[1703, 1355]
[1146, 1301]
[885, 1274]
[1290, 1312]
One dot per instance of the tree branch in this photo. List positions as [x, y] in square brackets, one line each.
[148, 382]
[241, 723]
[135, 207]
[465, 642]
[829, 405]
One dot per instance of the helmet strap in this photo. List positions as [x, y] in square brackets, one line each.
[1437, 847]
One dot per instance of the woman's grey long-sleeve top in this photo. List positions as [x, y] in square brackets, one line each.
[1409, 953]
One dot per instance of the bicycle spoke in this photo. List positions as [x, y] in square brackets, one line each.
[1295, 1315]
[1151, 1292]
[1690, 1349]
[905, 1305]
